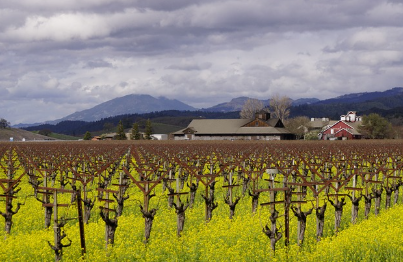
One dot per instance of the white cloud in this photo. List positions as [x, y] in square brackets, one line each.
[71, 55]
[61, 27]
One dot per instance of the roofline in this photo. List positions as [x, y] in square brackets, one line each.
[335, 124]
[235, 134]
[344, 129]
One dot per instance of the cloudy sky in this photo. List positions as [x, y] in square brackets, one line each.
[59, 57]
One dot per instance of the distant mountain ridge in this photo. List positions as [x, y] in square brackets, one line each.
[129, 104]
[363, 103]
[236, 104]
[312, 107]
[174, 118]
[363, 97]
[233, 105]
[388, 103]
[142, 104]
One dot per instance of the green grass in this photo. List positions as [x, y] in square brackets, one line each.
[60, 136]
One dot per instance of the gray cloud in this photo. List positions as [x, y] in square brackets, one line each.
[97, 63]
[189, 66]
[71, 55]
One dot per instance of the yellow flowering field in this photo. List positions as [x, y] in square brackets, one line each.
[222, 239]
[241, 238]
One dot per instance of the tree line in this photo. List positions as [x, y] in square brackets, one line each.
[134, 135]
[373, 125]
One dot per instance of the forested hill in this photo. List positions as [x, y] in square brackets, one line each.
[390, 107]
[163, 122]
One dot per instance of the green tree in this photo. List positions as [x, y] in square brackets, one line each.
[120, 134]
[87, 136]
[108, 127]
[299, 126]
[148, 131]
[312, 135]
[4, 123]
[135, 132]
[127, 122]
[45, 132]
[375, 126]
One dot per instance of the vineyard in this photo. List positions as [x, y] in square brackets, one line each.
[201, 201]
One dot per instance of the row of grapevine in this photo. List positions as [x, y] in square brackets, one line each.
[282, 180]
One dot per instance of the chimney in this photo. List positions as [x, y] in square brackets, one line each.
[262, 115]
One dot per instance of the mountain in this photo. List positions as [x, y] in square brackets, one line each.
[129, 104]
[233, 105]
[363, 97]
[163, 122]
[236, 104]
[304, 101]
[388, 104]
[363, 103]
[311, 107]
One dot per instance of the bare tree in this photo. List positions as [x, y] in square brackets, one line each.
[250, 107]
[232, 205]
[274, 235]
[180, 211]
[320, 221]
[280, 106]
[209, 201]
[193, 189]
[338, 207]
[356, 205]
[368, 202]
[149, 217]
[59, 236]
[377, 195]
[255, 200]
[302, 219]
[110, 226]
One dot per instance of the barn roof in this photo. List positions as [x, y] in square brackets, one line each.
[352, 130]
[231, 126]
[318, 123]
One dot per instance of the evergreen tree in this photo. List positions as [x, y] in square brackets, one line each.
[4, 123]
[135, 132]
[87, 136]
[148, 132]
[120, 135]
[108, 127]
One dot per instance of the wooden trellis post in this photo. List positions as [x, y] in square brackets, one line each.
[59, 235]
[229, 199]
[81, 223]
[179, 207]
[110, 224]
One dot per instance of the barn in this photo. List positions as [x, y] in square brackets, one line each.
[345, 129]
[262, 127]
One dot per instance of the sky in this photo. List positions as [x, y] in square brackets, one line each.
[59, 57]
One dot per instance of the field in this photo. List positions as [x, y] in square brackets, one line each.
[20, 134]
[194, 201]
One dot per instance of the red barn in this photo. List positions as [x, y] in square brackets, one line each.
[346, 128]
